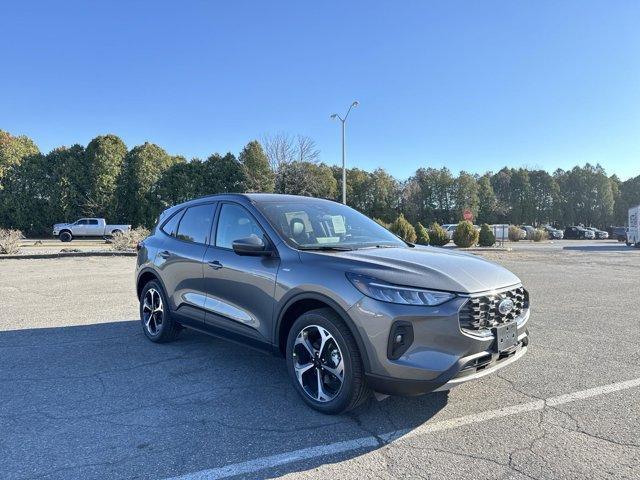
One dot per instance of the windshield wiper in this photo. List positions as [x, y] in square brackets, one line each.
[326, 248]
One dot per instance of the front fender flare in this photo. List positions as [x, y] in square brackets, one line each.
[295, 297]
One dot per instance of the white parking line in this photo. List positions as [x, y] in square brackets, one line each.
[262, 463]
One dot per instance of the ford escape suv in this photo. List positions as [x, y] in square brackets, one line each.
[351, 307]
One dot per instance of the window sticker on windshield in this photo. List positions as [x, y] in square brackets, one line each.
[327, 239]
[338, 224]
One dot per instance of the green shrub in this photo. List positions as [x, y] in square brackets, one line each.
[10, 241]
[422, 235]
[539, 235]
[403, 229]
[515, 233]
[465, 235]
[437, 235]
[486, 238]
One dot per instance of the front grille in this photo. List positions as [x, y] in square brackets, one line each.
[481, 313]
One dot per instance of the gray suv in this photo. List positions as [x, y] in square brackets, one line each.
[351, 307]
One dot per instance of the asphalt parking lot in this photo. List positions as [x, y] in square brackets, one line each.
[84, 395]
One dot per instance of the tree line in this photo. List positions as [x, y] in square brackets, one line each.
[107, 179]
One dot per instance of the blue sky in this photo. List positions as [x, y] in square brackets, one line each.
[468, 85]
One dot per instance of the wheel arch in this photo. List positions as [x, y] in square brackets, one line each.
[304, 302]
[145, 276]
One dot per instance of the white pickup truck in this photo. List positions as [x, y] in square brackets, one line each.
[87, 227]
[633, 232]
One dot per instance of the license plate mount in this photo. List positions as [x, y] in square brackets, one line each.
[506, 336]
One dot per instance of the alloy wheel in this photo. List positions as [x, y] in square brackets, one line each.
[152, 311]
[318, 363]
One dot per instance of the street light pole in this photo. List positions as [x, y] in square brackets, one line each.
[344, 169]
[344, 164]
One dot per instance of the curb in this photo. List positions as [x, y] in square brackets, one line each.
[33, 256]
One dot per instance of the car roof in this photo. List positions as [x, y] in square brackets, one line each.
[251, 197]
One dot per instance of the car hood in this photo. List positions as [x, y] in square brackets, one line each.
[425, 267]
[61, 225]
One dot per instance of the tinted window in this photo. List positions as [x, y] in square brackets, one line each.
[93, 222]
[196, 224]
[235, 223]
[82, 222]
[171, 226]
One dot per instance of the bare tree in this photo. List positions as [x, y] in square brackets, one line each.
[306, 149]
[283, 148]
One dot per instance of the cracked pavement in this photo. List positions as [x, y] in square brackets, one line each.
[84, 395]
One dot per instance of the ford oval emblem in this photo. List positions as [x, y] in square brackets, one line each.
[505, 306]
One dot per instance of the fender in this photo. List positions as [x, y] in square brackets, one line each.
[155, 274]
[337, 308]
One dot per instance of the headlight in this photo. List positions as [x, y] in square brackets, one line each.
[388, 292]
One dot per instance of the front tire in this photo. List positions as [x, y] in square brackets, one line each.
[155, 317]
[66, 236]
[324, 363]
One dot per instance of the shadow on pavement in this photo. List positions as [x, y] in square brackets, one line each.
[599, 248]
[101, 401]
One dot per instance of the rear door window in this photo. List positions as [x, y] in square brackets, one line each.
[195, 225]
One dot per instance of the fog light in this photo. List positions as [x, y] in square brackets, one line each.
[400, 339]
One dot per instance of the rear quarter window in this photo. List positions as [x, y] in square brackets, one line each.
[170, 227]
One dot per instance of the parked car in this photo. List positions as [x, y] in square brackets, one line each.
[87, 227]
[553, 233]
[351, 307]
[578, 233]
[600, 234]
[618, 233]
[529, 231]
[633, 231]
[450, 229]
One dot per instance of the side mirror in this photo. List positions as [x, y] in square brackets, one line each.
[252, 245]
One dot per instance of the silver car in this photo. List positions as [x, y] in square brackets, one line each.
[351, 307]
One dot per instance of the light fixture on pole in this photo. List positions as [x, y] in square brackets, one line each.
[344, 170]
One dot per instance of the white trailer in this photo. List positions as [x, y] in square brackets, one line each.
[633, 232]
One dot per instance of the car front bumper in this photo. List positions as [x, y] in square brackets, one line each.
[441, 356]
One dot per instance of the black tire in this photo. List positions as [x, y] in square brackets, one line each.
[65, 236]
[354, 390]
[167, 329]
[115, 232]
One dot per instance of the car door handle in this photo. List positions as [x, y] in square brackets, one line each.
[215, 264]
[165, 254]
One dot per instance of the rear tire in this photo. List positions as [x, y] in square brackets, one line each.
[66, 236]
[331, 380]
[155, 317]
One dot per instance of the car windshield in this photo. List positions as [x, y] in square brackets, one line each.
[324, 225]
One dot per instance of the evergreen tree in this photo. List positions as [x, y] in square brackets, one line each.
[260, 176]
